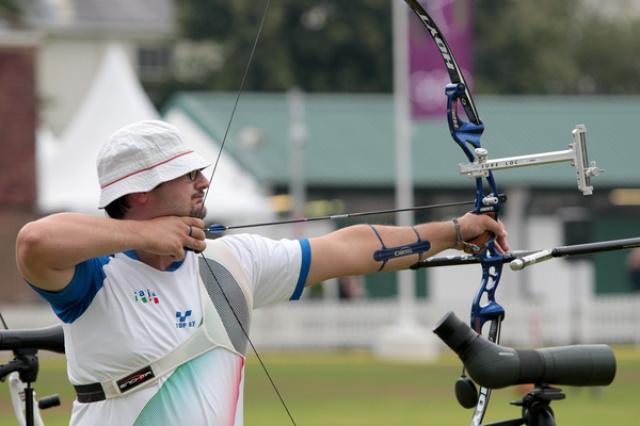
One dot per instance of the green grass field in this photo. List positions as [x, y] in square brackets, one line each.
[356, 389]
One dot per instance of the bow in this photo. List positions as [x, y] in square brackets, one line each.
[462, 133]
[467, 135]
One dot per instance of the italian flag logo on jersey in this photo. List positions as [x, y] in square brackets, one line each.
[146, 296]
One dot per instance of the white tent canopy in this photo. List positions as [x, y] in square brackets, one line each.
[234, 196]
[67, 179]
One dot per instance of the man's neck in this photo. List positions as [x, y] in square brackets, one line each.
[160, 262]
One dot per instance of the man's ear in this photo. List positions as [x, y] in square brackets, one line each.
[140, 198]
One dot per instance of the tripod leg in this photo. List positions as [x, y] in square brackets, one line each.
[17, 388]
[28, 404]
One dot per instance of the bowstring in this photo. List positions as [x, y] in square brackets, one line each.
[235, 105]
[3, 322]
[215, 167]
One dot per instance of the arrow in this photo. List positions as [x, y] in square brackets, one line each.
[216, 229]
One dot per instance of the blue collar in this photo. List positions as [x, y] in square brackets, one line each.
[174, 266]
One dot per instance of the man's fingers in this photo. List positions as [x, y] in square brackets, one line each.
[171, 235]
[195, 235]
[479, 229]
[481, 239]
[502, 245]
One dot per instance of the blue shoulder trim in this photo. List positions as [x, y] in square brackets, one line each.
[304, 269]
[72, 301]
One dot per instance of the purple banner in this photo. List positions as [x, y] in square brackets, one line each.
[428, 76]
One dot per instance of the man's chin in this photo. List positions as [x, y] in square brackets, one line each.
[199, 212]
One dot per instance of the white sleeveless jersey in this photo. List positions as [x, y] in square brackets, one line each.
[120, 315]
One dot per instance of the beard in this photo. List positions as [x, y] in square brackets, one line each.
[198, 212]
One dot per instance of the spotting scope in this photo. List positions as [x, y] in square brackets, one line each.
[50, 338]
[493, 366]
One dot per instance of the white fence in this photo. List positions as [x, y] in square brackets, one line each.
[610, 320]
[334, 325]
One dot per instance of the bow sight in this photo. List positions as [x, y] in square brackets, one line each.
[577, 154]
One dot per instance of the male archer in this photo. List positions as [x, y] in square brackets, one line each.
[177, 357]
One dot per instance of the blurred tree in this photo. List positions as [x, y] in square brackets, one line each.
[327, 45]
[521, 46]
[555, 47]
[10, 12]
[609, 55]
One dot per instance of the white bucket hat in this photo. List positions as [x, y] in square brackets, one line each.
[141, 156]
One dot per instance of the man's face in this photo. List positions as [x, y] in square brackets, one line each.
[183, 196]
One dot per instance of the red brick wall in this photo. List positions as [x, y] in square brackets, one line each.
[17, 127]
[18, 121]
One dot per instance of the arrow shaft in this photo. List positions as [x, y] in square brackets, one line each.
[222, 228]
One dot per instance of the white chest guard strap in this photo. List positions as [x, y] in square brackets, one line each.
[225, 302]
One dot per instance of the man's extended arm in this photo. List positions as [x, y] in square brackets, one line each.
[349, 251]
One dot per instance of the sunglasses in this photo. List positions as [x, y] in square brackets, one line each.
[193, 175]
